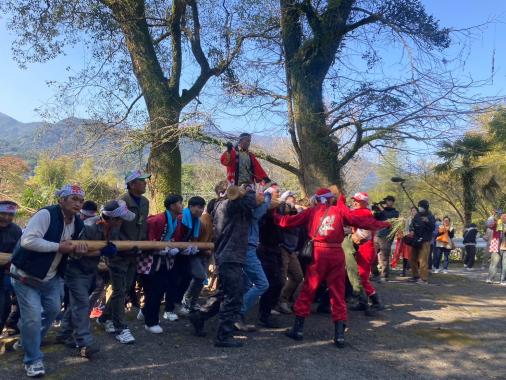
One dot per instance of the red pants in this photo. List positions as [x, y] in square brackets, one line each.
[328, 266]
[365, 258]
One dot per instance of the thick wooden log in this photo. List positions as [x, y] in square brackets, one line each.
[127, 245]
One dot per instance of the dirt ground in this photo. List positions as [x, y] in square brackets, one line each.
[454, 328]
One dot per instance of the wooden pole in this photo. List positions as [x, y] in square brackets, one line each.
[126, 245]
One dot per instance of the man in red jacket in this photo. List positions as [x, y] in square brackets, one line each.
[324, 224]
[242, 165]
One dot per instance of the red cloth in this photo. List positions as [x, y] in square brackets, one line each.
[402, 251]
[329, 257]
[230, 161]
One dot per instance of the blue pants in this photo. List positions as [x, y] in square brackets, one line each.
[38, 307]
[437, 257]
[255, 278]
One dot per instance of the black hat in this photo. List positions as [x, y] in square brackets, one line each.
[390, 198]
[424, 203]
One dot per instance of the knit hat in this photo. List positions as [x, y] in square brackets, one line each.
[361, 197]
[67, 190]
[8, 207]
[322, 194]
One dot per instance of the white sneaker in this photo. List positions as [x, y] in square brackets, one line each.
[275, 312]
[125, 337]
[140, 316]
[107, 325]
[436, 270]
[154, 329]
[445, 270]
[502, 283]
[170, 316]
[489, 281]
[469, 269]
[35, 369]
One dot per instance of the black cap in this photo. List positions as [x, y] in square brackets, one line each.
[390, 198]
[424, 203]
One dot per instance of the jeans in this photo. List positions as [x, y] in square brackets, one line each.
[437, 257]
[496, 260]
[39, 307]
[80, 284]
[255, 276]
[198, 268]
[291, 274]
[470, 255]
[122, 271]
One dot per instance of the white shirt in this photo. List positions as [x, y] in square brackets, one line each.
[33, 239]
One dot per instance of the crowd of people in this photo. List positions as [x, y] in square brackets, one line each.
[268, 249]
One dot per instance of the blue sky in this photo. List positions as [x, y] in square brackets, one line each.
[22, 91]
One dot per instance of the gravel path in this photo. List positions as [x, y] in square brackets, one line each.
[454, 328]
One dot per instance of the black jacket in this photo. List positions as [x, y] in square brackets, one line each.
[423, 225]
[470, 235]
[231, 220]
[383, 215]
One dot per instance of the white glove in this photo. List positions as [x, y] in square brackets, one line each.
[190, 251]
[173, 251]
[194, 250]
[271, 190]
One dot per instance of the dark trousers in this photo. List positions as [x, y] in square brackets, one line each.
[179, 280]
[228, 300]
[470, 255]
[5, 301]
[272, 263]
[155, 285]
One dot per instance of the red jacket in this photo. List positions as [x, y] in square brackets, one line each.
[331, 228]
[231, 161]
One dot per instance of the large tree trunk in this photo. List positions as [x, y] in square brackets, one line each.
[468, 185]
[162, 102]
[318, 153]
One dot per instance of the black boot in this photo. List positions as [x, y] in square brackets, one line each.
[225, 337]
[376, 304]
[198, 323]
[297, 331]
[362, 304]
[339, 328]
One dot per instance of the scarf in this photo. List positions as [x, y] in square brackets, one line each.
[171, 226]
[188, 222]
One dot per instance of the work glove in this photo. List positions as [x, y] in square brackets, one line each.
[190, 251]
[271, 190]
[229, 146]
[110, 250]
[168, 252]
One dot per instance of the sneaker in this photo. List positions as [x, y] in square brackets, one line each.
[275, 312]
[140, 316]
[170, 316]
[184, 310]
[502, 283]
[125, 337]
[242, 326]
[96, 312]
[445, 271]
[35, 369]
[156, 329]
[489, 281]
[436, 270]
[107, 325]
[469, 269]
[413, 279]
[422, 282]
[382, 280]
[465, 266]
[89, 351]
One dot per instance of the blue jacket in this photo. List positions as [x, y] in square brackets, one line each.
[37, 264]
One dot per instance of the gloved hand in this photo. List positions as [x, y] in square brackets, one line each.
[229, 146]
[271, 189]
[110, 250]
[190, 251]
[168, 252]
